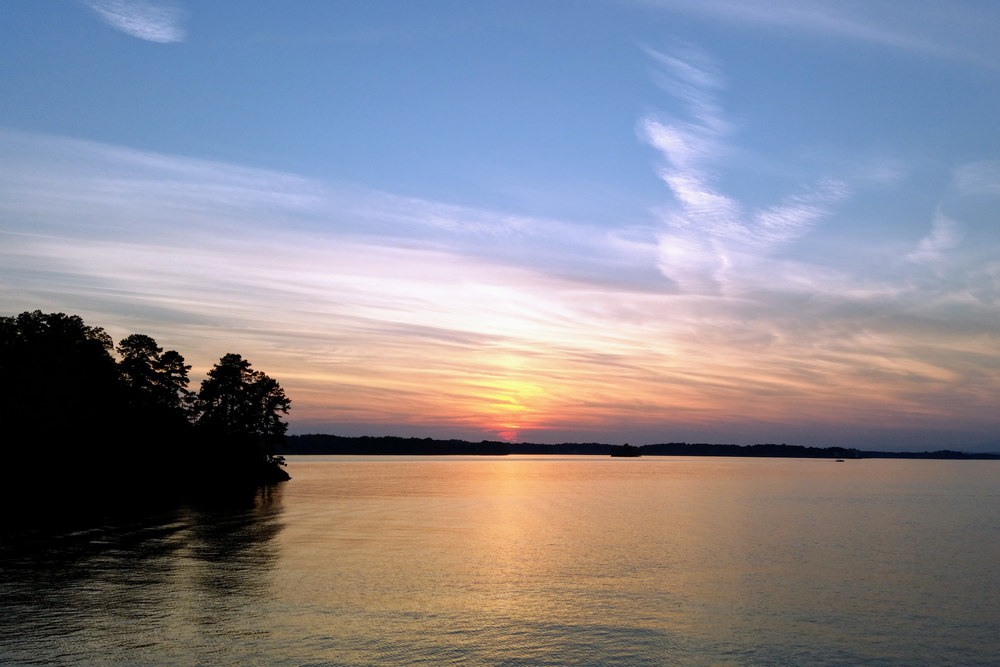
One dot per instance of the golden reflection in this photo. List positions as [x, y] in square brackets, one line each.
[513, 541]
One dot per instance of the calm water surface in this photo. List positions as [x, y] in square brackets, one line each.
[533, 560]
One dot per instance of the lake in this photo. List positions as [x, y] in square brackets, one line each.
[533, 560]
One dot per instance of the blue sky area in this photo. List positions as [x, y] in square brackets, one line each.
[643, 221]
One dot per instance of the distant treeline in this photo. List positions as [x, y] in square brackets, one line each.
[799, 451]
[335, 444]
[391, 445]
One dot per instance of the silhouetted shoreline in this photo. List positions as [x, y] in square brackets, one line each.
[87, 426]
[393, 445]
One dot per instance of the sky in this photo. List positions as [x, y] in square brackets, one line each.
[601, 220]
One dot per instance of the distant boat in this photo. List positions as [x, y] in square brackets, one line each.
[839, 461]
[625, 450]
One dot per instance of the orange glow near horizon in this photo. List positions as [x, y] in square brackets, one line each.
[587, 385]
[514, 354]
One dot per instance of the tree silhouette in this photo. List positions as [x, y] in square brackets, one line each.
[58, 376]
[154, 378]
[58, 384]
[131, 430]
[154, 417]
[240, 412]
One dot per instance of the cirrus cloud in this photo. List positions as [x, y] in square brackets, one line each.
[139, 18]
[710, 234]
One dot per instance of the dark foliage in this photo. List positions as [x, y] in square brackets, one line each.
[390, 445]
[57, 381]
[77, 425]
[239, 421]
[762, 450]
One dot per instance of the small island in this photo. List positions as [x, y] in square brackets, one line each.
[86, 423]
[625, 450]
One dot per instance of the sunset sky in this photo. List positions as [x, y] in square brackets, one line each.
[542, 220]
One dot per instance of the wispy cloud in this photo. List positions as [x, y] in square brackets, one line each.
[153, 22]
[957, 30]
[709, 231]
[978, 178]
[944, 236]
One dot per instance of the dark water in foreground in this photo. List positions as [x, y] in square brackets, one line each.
[534, 560]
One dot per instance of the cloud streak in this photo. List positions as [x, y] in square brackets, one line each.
[143, 19]
[956, 31]
[944, 236]
[712, 236]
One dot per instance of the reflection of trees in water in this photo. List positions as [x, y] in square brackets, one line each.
[228, 559]
[59, 591]
[129, 588]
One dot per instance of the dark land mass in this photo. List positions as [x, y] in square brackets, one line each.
[87, 426]
[391, 445]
